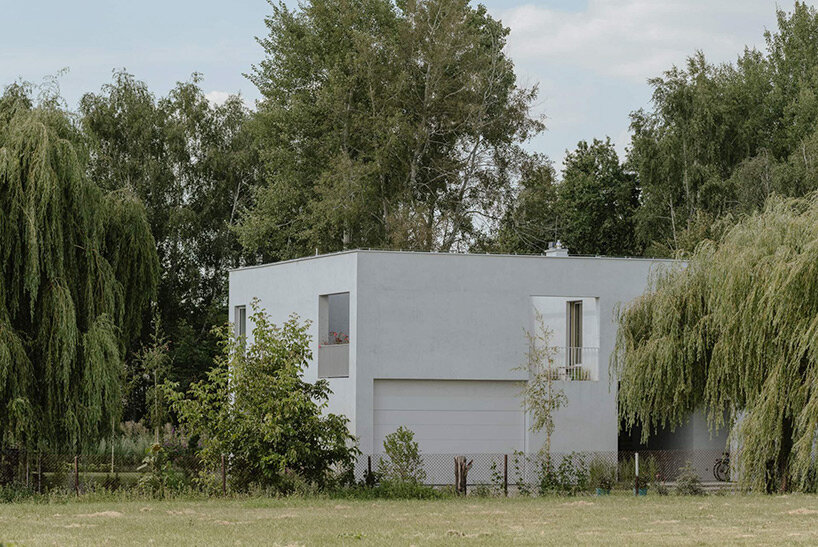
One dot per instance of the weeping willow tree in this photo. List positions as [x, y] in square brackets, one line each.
[77, 268]
[736, 333]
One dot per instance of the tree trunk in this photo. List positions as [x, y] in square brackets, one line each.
[461, 471]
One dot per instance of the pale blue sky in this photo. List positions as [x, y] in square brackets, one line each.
[590, 58]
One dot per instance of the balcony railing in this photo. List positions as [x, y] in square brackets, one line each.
[333, 361]
[577, 364]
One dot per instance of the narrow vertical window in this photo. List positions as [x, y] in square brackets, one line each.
[240, 323]
[333, 329]
[574, 331]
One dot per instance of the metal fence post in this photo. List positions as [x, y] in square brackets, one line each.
[224, 478]
[77, 474]
[505, 474]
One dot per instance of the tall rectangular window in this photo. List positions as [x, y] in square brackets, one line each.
[333, 330]
[240, 322]
[574, 332]
[333, 320]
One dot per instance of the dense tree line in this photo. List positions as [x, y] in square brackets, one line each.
[591, 209]
[715, 143]
[383, 123]
[194, 166]
[720, 139]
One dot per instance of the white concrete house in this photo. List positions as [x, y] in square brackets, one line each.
[435, 341]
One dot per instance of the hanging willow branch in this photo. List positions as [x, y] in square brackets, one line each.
[735, 332]
[77, 268]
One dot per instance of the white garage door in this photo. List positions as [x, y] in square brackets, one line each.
[452, 416]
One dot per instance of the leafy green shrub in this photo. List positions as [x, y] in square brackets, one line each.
[293, 484]
[403, 462]
[159, 476]
[497, 479]
[688, 482]
[406, 490]
[518, 463]
[255, 406]
[371, 478]
[11, 493]
[601, 474]
[569, 478]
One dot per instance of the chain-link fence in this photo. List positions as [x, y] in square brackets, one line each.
[503, 473]
[527, 472]
[43, 472]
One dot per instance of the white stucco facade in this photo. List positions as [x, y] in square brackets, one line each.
[436, 340]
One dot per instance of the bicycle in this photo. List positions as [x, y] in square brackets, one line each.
[722, 468]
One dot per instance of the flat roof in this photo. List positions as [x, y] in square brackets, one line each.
[435, 253]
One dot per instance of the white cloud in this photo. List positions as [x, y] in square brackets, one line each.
[217, 98]
[636, 39]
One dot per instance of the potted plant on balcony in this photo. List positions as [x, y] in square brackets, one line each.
[335, 338]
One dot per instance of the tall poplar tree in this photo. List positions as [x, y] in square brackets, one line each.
[385, 123]
[77, 269]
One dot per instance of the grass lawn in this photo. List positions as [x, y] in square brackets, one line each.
[474, 521]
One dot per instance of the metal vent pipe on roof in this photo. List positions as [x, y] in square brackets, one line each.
[555, 248]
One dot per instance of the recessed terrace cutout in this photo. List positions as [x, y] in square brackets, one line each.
[574, 328]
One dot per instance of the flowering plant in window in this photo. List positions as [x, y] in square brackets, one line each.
[336, 338]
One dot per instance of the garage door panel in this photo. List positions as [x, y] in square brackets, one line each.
[475, 402]
[446, 394]
[439, 452]
[451, 416]
[443, 432]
